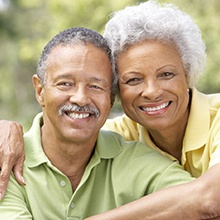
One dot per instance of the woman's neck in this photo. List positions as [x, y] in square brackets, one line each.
[170, 140]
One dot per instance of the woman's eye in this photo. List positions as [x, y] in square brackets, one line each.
[133, 81]
[167, 75]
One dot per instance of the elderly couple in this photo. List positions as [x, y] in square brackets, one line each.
[161, 158]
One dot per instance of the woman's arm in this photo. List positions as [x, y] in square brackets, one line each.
[199, 199]
[11, 153]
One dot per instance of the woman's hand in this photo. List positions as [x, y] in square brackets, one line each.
[11, 153]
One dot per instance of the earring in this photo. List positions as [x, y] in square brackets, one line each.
[187, 90]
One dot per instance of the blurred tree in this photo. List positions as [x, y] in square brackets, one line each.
[26, 26]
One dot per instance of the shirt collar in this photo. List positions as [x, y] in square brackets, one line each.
[196, 133]
[33, 146]
[107, 145]
[198, 122]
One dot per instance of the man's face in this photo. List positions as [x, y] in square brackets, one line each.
[76, 96]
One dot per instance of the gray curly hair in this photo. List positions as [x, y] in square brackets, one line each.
[162, 22]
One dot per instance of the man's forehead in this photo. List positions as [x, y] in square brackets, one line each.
[82, 60]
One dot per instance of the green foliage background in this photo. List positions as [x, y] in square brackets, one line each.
[26, 26]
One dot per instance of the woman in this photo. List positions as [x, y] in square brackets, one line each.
[159, 55]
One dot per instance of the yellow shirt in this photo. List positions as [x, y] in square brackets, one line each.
[201, 143]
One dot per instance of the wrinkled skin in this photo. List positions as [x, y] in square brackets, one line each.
[11, 157]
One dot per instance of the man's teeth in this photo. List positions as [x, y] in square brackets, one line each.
[149, 109]
[78, 115]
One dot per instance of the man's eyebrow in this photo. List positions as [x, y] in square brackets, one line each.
[70, 76]
[63, 76]
[98, 79]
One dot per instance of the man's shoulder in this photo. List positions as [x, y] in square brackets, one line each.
[130, 149]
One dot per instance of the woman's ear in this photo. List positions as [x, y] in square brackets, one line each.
[39, 90]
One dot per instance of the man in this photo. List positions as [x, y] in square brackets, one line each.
[72, 169]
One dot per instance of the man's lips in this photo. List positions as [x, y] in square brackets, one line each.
[155, 108]
[78, 115]
[75, 111]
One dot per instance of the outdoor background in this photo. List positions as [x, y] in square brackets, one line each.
[27, 25]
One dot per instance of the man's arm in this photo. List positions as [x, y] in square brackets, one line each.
[11, 153]
[15, 204]
[199, 199]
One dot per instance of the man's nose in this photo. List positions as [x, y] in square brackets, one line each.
[80, 96]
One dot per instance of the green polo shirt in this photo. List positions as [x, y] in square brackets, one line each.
[118, 172]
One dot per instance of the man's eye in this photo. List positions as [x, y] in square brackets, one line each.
[96, 87]
[67, 84]
[64, 84]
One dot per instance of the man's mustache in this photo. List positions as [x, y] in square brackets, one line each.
[77, 108]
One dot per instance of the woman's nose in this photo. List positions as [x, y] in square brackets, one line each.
[151, 90]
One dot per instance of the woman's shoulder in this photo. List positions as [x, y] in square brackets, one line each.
[124, 126]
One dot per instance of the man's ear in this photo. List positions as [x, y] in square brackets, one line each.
[39, 90]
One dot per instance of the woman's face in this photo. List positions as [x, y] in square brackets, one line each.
[153, 85]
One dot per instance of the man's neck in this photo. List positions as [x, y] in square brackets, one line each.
[70, 158]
